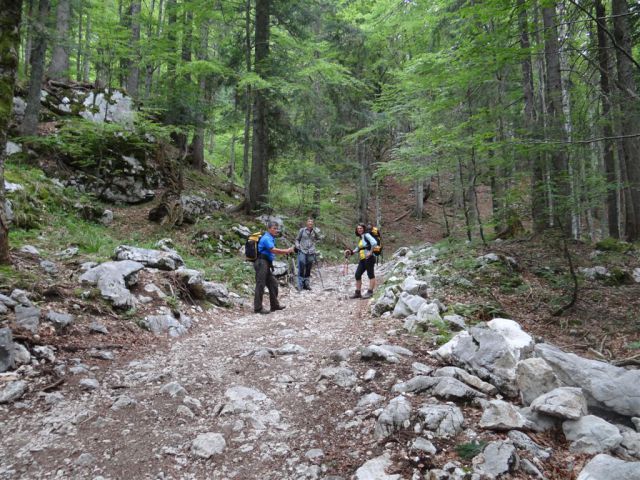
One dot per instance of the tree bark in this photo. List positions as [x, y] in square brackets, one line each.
[79, 46]
[11, 11]
[535, 159]
[248, 103]
[59, 66]
[86, 65]
[28, 34]
[363, 184]
[630, 120]
[259, 183]
[30, 121]
[612, 207]
[134, 70]
[561, 192]
[197, 145]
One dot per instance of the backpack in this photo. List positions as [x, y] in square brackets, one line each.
[375, 233]
[251, 246]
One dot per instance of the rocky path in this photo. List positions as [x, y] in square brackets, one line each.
[242, 396]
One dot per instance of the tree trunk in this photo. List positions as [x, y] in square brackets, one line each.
[134, 69]
[86, 65]
[535, 159]
[30, 121]
[607, 129]
[363, 183]
[59, 67]
[561, 192]
[419, 206]
[248, 102]
[10, 40]
[28, 34]
[197, 145]
[79, 46]
[630, 116]
[259, 183]
[463, 198]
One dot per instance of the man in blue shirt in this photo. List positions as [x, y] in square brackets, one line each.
[267, 251]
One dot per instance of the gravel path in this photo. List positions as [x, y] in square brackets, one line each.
[242, 396]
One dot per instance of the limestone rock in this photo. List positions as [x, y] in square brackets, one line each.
[394, 417]
[606, 467]
[591, 434]
[604, 385]
[564, 402]
[112, 278]
[208, 444]
[534, 377]
[159, 259]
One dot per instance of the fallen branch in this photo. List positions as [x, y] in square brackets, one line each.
[633, 360]
[402, 216]
[53, 385]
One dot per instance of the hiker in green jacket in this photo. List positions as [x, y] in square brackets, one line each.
[367, 262]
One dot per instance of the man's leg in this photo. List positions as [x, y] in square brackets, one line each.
[307, 271]
[272, 286]
[262, 269]
[301, 268]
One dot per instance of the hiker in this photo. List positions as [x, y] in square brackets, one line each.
[306, 248]
[263, 265]
[367, 262]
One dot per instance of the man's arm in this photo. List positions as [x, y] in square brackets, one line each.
[281, 251]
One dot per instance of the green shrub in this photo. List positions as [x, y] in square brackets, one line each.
[613, 245]
[467, 451]
[618, 277]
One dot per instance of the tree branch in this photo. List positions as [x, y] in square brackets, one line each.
[609, 34]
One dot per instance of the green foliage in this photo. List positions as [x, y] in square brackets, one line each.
[618, 277]
[634, 345]
[466, 451]
[88, 145]
[479, 312]
[613, 245]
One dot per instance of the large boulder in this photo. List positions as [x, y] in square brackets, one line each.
[407, 305]
[160, 259]
[606, 467]
[591, 434]
[113, 278]
[491, 352]
[195, 207]
[534, 377]
[604, 385]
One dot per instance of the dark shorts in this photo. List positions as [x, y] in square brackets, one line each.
[366, 265]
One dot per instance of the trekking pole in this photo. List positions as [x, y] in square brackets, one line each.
[319, 273]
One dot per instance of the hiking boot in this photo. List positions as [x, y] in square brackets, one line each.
[356, 294]
[367, 294]
[306, 287]
[262, 311]
[279, 307]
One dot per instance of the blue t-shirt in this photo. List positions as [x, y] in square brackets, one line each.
[266, 243]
